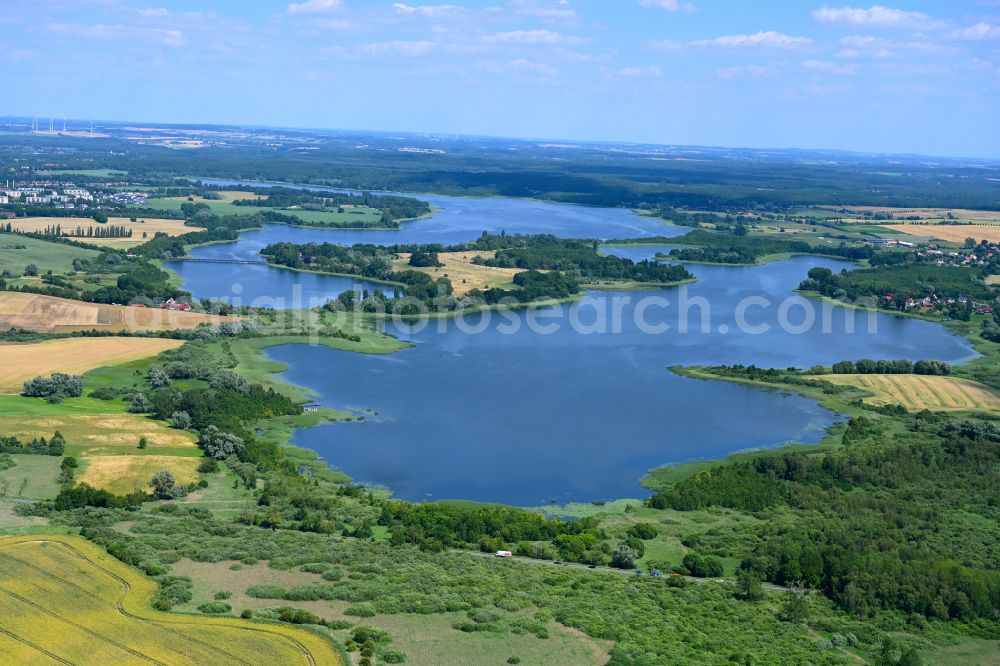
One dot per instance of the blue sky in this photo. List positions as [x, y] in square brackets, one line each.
[917, 76]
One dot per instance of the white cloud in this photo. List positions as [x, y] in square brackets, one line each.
[634, 72]
[769, 39]
[878, 16]
[752, 71]
[558, 11]
[668, 5]
[977, 32]
[313, 6]
[427, 11]
[535, 37]
[831, 67]
[406, 49]
[162, 36]
[539, 68]
[665, 45]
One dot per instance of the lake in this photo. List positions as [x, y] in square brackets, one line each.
[477, 410]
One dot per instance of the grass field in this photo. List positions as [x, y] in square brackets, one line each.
[67, 601]
[952, 233]
[464, 275]
[71, 225]
[95, 173]
[35, 312]
[967, 652]
[91, 427]
[32, 477]
[310, 217]
[16, 252]
[916, 392]
[122, 474]
[20, 362]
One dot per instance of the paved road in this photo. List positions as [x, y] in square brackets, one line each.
[626, 572]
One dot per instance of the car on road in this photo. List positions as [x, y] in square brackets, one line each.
[655, 573]
[639, 572]
[591, 566]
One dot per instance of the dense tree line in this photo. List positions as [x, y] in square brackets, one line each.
[893, 285]
[722, 248]
[879, 524]
[393, 207]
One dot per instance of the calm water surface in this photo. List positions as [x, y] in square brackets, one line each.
[528, 418]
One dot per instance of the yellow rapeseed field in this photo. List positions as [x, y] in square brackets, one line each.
[67, 601]
[35, 312]
[20, 362]
[916, 392]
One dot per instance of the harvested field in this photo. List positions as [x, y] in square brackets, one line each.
[229, 196]
[67, 601]
[20, 362]
[917, 392]
[464, 275]
[923, 213]
[72, 226]
[122, 474]
[48, 314]
[952, 233]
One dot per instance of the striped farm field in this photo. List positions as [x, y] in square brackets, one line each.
[48, 314]
[20, 362]
[66, 601]
[917, 392]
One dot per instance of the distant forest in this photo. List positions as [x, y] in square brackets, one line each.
[586, 174]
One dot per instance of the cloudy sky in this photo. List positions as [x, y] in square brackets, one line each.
[916, 76]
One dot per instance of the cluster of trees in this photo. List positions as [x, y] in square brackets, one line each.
[868, 366]
[108, 231]
[917, 559]
[394, 208]
[57, 386]
[38, 445]
[578, 258]
[439, 526]
[893, 285]
[721, 248]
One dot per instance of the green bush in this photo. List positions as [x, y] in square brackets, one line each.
[215, 607]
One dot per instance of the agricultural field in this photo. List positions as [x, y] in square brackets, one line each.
[925, 214]
[122, 474]
[76, 227]
[20, 362]
[48, 314]
[464, 275]
[917, 392]
[369, 216]
[951, 233]
[16, 252]
[68, 601]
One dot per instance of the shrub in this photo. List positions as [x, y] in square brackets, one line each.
[360, 610]
[180, 420]
[266, 592]
[215, 607]
[394, 657]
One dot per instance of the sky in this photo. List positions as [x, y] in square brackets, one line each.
[910, 77]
